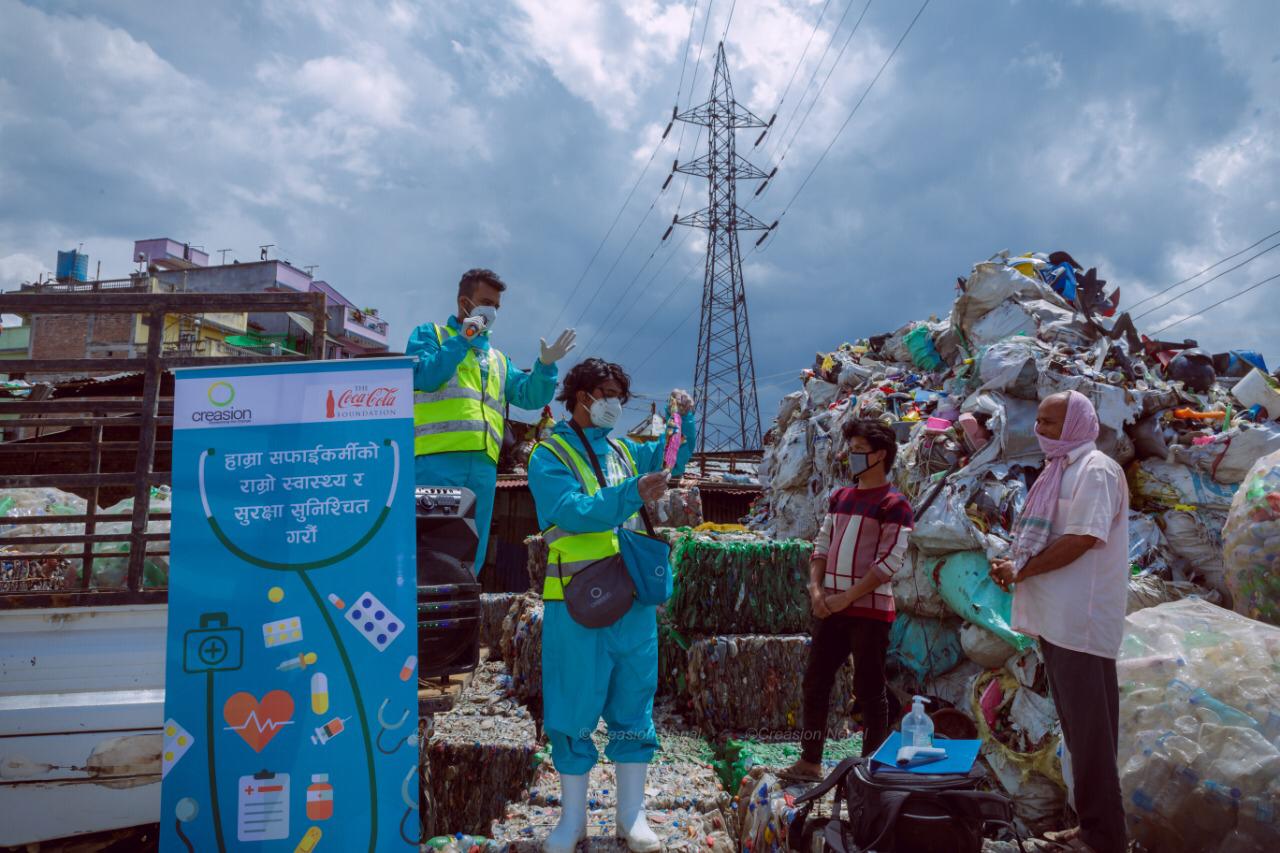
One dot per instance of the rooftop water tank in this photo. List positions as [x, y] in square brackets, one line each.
[73, 265]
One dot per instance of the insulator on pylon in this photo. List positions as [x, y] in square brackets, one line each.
[760, 188]
[667, 233]
[667, 182]
[670, 124]
[760, 138]
[761, 240]
[772, 119]
[675, 111]
[771, 174]
[675, 164]
[675, 219]
[775, 224]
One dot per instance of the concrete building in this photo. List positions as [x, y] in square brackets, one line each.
[173, 267]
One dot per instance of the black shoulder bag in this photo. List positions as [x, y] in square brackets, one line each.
[892, 811]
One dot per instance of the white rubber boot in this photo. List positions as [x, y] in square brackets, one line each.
[632, 827]
[572, 827]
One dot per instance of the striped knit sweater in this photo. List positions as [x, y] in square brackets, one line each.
[865, 530]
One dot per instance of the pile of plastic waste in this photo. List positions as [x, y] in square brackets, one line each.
[1200, 729]
[961, 392]
[20, 573]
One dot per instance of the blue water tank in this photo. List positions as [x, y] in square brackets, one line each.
[73, 265]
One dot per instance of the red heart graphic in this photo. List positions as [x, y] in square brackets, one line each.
[257, 721]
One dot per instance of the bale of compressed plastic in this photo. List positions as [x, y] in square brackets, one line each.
[673, 663]
[677, 508]
[478, 760]
[728, 586]
[493, 611]
[1199, 721]
[537, 561]
[752, 683]
[521, 646]
[1252, 543]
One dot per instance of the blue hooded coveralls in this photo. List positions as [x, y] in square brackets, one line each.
[589, 673]
[472, 470]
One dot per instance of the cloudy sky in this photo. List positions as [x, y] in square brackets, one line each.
[396, 143]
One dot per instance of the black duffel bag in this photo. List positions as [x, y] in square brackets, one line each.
[892, 811]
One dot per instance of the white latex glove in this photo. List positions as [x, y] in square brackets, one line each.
[562, 347]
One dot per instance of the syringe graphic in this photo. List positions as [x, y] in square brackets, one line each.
[329, 731]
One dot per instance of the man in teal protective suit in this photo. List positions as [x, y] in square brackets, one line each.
[610, 672]
[462, 385]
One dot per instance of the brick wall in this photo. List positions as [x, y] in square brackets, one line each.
[80, 336]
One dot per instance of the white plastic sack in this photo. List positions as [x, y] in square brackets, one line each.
[1248, 444]
[989, 284]
[1012, 366]
[1037, 801]
[914, 590]
[1006, 320]
[821, 393]
[794, 462]
[983, 647]
[944, 527]
[1033, 713]
[1195, 538]
[1116, 406]
[1171, 484]
[789, 407]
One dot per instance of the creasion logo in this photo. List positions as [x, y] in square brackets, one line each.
[221, 394]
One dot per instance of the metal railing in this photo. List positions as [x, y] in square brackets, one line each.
[89, 431]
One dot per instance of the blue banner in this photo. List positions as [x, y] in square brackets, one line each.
[291, 709]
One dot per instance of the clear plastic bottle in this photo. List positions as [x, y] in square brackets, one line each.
[917, 728]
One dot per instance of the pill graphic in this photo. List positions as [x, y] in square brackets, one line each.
[319, 693]
[406, 671]
[337, 602]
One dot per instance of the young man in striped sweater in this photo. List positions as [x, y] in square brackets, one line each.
[858, 551]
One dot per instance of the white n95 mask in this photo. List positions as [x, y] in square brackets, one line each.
[605, 412]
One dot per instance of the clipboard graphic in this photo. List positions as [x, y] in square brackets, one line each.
[262, 807]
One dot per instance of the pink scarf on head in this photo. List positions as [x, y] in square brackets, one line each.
[1032, 530]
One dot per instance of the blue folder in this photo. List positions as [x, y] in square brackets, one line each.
[960, 756]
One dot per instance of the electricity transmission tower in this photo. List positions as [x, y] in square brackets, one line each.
[725, 375]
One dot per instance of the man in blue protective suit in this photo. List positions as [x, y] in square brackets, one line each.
[461, 387]
[610, 672]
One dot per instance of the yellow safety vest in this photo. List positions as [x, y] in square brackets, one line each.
[570, 553]
[461, 415]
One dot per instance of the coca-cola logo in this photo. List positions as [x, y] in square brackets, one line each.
[360, 401]
[374, 398]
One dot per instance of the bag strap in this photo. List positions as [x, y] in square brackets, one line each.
[891, 803]
[595, 464]
[591, 454]
[644, 510]
[842, 769]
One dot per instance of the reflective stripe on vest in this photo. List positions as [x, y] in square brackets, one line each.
[570, 553]
[460, 415]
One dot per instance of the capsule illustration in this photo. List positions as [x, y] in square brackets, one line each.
[319, 693]
[336, 601]
[406, 671]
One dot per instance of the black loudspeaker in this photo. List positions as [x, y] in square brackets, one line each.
[448, 594]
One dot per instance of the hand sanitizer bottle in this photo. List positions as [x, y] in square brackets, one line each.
[917, 728]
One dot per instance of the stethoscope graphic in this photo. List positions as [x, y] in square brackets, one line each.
[301, 568]
[411, 738]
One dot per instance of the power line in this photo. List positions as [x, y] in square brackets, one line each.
[1254, 286]
[821, 88]
[661, 305]
[728, 21]
[778, 138]
[675, 250]
[1203, 271]
[800, 62]
[702, 42]
[854, 111]
[1206, 282]
[679, 88]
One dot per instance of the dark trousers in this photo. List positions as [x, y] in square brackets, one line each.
[833, 640]
[1087, 696]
